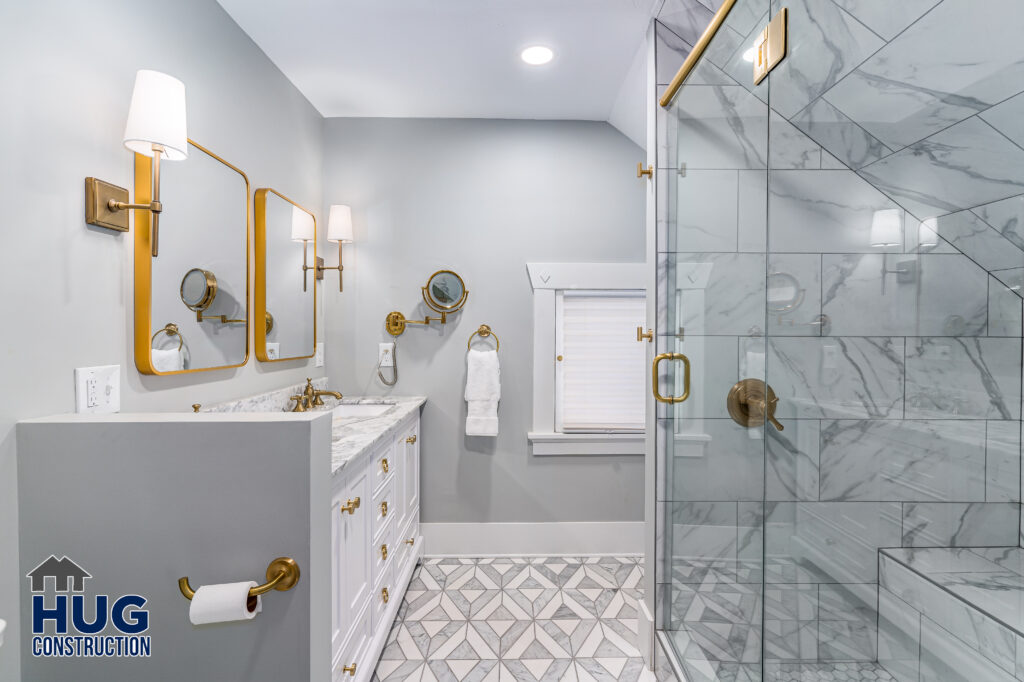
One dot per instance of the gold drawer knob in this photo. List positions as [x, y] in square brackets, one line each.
[410, 440]
[410, 541]
[351, 506]
[384, 465]
[384, 595]
[384, 552]
[350, 669]
[384, 508]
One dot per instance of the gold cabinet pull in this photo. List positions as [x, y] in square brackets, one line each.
[640, 336]
[384, 552]
[642, 172]
[686, 378]
[384, 465]
[411, 541]
[350, 669]
[351, 506]
[410, 440]
[384, 508]
[384, 595]
[751, 402]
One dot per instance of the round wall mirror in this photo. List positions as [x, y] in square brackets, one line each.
[198, 289]
[445, 292]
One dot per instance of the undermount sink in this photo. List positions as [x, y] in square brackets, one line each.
[365, 410]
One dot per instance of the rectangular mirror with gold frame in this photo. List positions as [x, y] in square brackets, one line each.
[286, 276]
[192, 300]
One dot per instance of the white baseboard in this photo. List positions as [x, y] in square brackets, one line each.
[499, 539]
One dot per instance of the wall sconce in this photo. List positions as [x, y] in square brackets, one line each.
[156, 127]
[887, 231]
[339, 229]
[304, 230]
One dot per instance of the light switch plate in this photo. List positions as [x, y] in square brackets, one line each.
[98, 389]
[386, 355]
[319, 359]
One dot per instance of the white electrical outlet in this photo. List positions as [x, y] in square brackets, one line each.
[98, 389]
[319, 361]
[386, 355]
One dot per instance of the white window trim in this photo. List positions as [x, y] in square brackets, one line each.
[546, 279]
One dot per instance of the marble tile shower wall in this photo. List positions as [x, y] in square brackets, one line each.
[898, 367]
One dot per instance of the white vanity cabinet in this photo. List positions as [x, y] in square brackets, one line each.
[375, 546]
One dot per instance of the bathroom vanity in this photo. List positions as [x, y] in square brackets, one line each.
[141, 500]
[375, 541]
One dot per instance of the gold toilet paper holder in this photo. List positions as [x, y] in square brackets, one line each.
[282, 574]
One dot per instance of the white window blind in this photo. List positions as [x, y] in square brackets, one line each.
[600, 382]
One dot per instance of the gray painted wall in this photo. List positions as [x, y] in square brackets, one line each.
[482, 197]
[66, 99]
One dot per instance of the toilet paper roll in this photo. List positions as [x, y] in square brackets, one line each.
[224, 603]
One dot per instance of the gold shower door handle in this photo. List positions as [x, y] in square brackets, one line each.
[686, 378]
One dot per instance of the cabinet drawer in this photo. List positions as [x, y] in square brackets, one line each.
[380, 558]
[384, 466]
[348, 663]
[385, 507]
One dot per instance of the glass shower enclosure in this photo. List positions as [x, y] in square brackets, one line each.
[840, 259]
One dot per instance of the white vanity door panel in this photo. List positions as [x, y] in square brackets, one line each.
[354, 558]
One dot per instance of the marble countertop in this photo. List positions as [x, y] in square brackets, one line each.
[353, 436]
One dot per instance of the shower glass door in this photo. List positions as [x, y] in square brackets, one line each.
[713, 306]
[845, 239]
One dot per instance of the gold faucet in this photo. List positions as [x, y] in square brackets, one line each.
[301, 403]
[313, 397]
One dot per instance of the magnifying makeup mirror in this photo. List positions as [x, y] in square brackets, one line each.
[198, 289]
[445, 292]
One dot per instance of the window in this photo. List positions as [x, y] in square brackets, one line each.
[599, 381]
[594, 401]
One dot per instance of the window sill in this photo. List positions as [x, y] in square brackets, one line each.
[562, 444]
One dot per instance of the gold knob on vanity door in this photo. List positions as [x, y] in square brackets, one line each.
[350, 669]
[384, 508]
[384, 465]
[351, 506]
[384, 552]
[410, 440]
[410, 541]
[385, 595]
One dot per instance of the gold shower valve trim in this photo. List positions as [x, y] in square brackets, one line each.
[751, 402]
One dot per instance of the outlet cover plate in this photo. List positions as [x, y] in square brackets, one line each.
[386, 355]
[319, 359]
[98, 389]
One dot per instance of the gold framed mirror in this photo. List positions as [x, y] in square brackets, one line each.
[186, 318]
[285, 297]
[445, 292]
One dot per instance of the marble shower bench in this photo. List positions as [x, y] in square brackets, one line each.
[952, 614]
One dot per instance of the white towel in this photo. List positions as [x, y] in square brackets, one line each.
[483, 390]
[170, 360]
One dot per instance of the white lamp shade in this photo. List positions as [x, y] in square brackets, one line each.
[928, 233]
[887, 228]
[157, 116]
[339, 224]
[303, 228]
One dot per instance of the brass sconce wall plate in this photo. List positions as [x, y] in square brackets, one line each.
[98, 194]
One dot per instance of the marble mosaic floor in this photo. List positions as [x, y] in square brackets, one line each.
[522, 619]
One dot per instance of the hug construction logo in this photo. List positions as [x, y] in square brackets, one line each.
[103, 628]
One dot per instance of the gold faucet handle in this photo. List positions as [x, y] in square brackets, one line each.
[300, 403]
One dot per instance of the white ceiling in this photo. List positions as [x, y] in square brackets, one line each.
[450, 58]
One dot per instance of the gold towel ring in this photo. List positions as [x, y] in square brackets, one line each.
[484, 331]
[170, 329]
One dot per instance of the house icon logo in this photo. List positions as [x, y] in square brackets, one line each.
[63, 571]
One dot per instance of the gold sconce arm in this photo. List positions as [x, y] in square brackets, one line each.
[321, 268]
[282, 574]
[107, 205]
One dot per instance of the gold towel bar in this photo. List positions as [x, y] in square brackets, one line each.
[484, 331]
[170, 329]
[282, 574]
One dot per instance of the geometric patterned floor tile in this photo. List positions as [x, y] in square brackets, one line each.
[517, 619]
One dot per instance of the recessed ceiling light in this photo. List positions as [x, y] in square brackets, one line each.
[537, 55]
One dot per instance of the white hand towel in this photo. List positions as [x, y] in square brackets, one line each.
[170, 360]
[483, 390]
